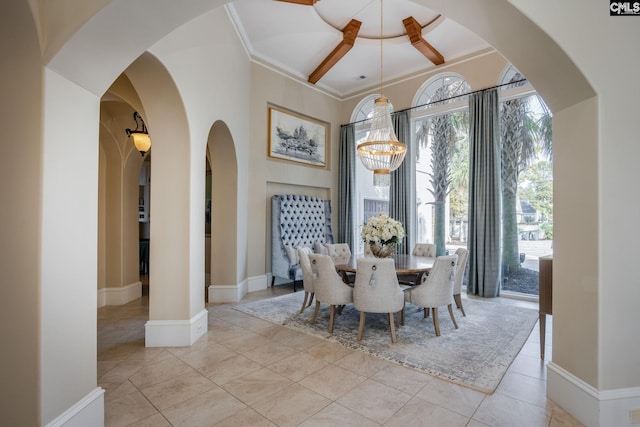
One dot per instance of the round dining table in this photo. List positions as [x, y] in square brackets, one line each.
[406, 265]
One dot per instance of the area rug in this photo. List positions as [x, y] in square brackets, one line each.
[476, 355]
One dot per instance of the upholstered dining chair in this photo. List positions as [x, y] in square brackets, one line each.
[436, 291]
[424, 249]
[328, 287]
[307, 280]
[420, 249]
[341, 253]
[376, 290]
[458, 278]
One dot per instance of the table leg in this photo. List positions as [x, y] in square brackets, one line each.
[543, 324]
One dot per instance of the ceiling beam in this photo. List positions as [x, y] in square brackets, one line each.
[304, 2]
[349, 34]
[414, 32]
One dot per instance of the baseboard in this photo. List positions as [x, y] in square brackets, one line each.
[258, 283]
[89, 411]
[589, 405]
[119, 296]
[175, 333]
[227, 293]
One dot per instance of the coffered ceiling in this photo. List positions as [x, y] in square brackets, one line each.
[335, 44]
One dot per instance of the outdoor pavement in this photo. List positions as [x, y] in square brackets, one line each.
[533, 250]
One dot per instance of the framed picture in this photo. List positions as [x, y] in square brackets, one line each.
[297, 138]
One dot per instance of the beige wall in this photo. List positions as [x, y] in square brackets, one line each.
[267, 173]
[21, 127]
[51, 268]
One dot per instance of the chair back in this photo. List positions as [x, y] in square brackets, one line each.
[424, 249]
[437, 289]
[305, 265]
[327, 283]
[339, 252]
[458, 278]
[376, 289]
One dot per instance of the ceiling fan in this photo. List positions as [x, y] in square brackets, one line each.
[350, 33]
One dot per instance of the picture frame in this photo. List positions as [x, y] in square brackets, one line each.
[297, 138]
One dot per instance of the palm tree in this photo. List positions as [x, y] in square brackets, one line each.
[444, 130]
[522, 136]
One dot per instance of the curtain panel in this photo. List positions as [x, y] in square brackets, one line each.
[346, 184]
[485, 204]
[400, 193]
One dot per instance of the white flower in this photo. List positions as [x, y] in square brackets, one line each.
[382, 230]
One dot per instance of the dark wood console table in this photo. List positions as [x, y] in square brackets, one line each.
[545, 290]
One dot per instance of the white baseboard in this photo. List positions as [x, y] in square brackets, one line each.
[590, 406]
[258, 283]
[227, 293]
[119, 296]
[175, 333]
[89, 411]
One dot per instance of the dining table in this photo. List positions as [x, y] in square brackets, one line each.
[405, 264]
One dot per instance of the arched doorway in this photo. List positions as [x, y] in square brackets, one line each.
[221, 156]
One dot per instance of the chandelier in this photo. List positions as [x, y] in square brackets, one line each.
[381, 152]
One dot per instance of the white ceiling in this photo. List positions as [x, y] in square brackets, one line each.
[297, 38]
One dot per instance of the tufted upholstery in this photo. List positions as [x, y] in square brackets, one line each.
[296, 221]
[339, 250]
[437, 290]
[424, 249]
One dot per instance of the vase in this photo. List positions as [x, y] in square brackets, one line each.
[382, 251]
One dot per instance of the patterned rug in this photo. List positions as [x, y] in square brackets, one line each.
[476, 355]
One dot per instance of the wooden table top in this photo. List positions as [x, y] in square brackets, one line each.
[405, 263]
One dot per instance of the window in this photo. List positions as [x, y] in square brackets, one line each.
[440, 126]
[370, 200]
[527, 194]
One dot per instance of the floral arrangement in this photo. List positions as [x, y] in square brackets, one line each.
[382, 230]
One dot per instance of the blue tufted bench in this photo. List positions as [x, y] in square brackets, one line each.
[296, 220]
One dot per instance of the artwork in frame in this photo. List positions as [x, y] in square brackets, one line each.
[297, 138]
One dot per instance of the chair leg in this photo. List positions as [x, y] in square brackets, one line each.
[332, 316]
[436, 324]
[304, 302]
[363, 317]
[273, 280]
[426, 313]
[311, 299]
[453, 319]
[402, 315]
[315, 312]
[393, 329]
[458, 301]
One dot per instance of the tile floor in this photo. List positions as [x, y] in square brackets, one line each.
[249, 372]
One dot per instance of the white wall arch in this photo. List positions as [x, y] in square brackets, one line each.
[596, 296]
[224, 215]
[177, 289]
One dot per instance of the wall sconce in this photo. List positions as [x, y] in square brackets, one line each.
[140, 137]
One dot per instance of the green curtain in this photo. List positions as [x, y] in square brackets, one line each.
[400, 189]
[346, 185]
[485, 205]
